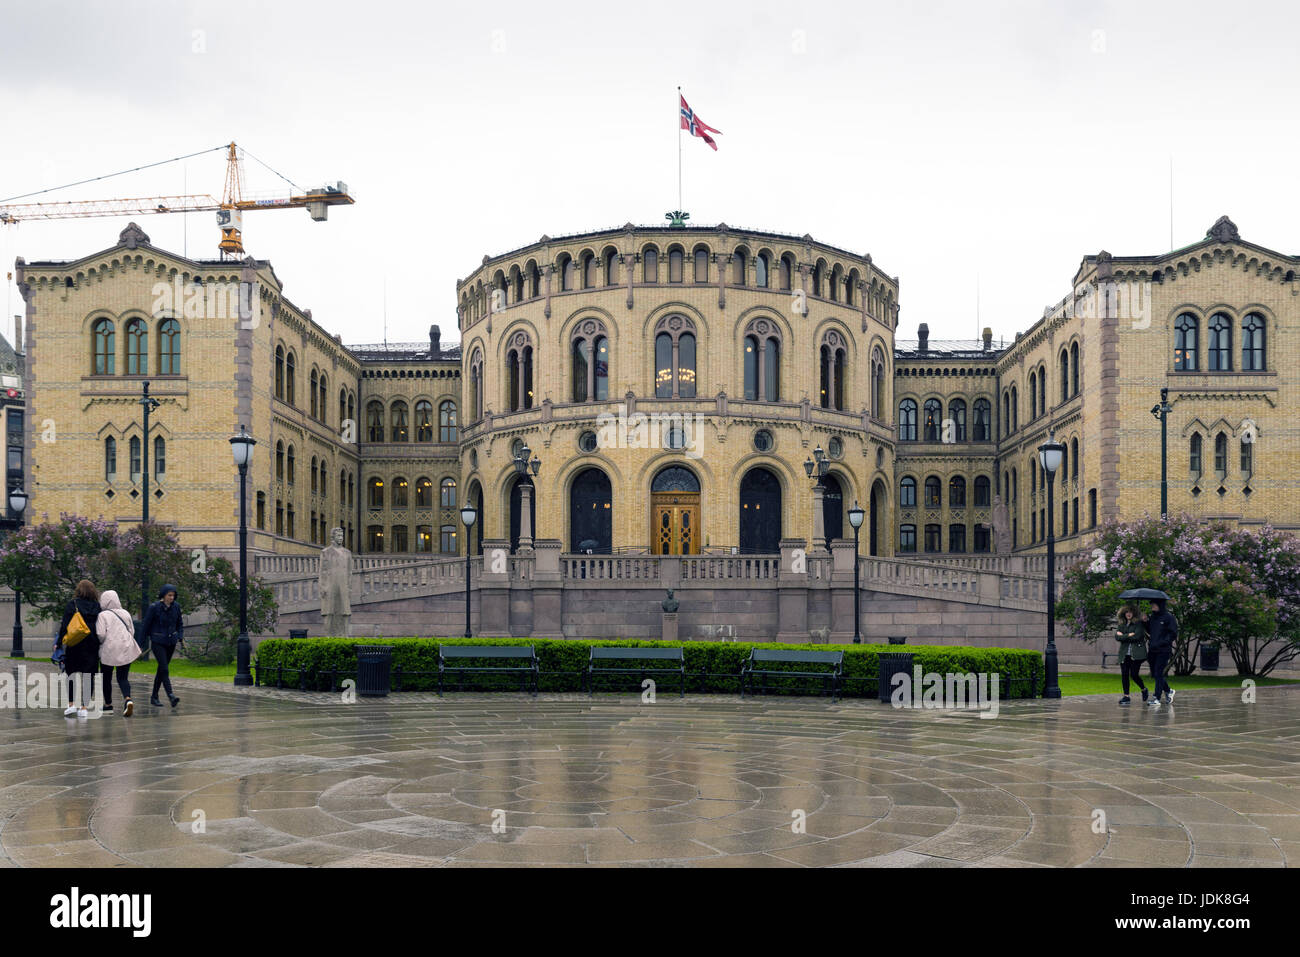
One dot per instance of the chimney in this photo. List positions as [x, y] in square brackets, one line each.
[18, 334]
[988, 338]
[435, 341]
[923, 335]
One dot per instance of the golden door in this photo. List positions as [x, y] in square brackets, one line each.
[675, 524]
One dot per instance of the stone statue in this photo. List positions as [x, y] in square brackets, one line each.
[1001, 527]
[670, 603]
[335, 586]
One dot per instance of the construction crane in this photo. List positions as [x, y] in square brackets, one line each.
[229, 209]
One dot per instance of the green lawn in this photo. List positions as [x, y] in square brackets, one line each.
[181, 668]
[1073, 683]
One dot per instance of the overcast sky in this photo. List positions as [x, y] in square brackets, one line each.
[963, 145]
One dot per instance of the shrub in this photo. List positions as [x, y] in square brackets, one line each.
[711, 666]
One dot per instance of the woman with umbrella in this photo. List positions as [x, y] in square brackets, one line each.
[1131, 633]
[1162, 629]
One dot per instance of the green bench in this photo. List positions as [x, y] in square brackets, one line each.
[525, 656]
[675, 663]
[830, 675]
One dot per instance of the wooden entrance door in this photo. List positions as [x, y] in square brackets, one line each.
[675, 523]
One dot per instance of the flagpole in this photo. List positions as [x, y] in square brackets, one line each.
[679, 147]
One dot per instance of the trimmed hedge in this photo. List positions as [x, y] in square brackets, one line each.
[711, 666]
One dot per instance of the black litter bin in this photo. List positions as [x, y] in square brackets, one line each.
[893, 663]
[1209, 657]
[374, 670]
[898, 639]
[297, 632]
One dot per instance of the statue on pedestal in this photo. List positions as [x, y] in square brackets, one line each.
[1001, 527]
[335, 585]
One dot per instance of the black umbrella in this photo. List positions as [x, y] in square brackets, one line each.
[1144, 593]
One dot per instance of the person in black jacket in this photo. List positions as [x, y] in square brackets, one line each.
[164, 628]
[82, 659]
[1162, 628]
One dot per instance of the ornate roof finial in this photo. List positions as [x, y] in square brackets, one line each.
[133, 236]
[1224, 230]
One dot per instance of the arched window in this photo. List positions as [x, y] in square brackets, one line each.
[424, 421]
[982, 425]
[933, 492]
[375, 493]
[818, 272]
[590, 362]
[110, 459]
[260, 511]
[401, 493]
[982, 489]
[447, 421]
[675, 358]
[375, 539]
[568, 272]
[104, 339]
[447, 493]
[957, 492]
[397, 418]
[279, 372]
[315, 381]
[1220, 345]
[834, 369]
[375, 421]
[786, 271]
[932, 412]
[290, 376]
[343, 406]
[517, 283]
[289, 463]
[907, 539]
[447, 539]
[590, 271]
[1006, 413]
[759, 524]
[423, 492]
[169, 347]
[739, 265]
[1221, 453]
[907, 420]
[1042, 391]
[519, 367]
[762, 361]
[1033, 393]
[323, 399]
[137, 348]
[762, 265]
[134, 452]
[279, 461]
[907, 492]
[1074, 459]
[650, 265]
[878, 384]
[314, 483]
[1074, 368]
[324, 482]
[288, 515]
[534, 279]
[701, 265]
[1015, 409]
[676, 261]
[1065, 374]
[159, 457]
[1252, 343]
[1247, 455]
[611, 267]
[476, 385]
[837, 280]
[957, 412]
[1185, 344]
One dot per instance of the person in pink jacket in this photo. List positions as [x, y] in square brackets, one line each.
[117, 649]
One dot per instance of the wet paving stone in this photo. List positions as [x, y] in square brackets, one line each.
[268, 778]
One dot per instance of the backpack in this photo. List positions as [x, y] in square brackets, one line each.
[77, 631]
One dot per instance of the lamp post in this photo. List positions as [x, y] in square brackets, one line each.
[1050, 454]
[148, 403]
[526, 508]
[18, 502]
[242, 447]
[819, 465]
[856, 515]
[1161, 411]
[468, 515]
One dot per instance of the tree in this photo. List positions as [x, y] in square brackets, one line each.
[46, 561]
[1226, 585]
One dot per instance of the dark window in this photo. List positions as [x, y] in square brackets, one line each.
[933, 492]
[398, 419]
[401, 495]
[907, 420]
[1185, 345]
[933, 538]
[982, 538]
[760, 513]
[751, 367]
[1220, 345]
[137, 348]
[957, 412]
[957, 492]
[663, 366]
[982, 499]
[907, 538]
[956, 538]
[591, 513]
[1221, 453]
[169, 347]
[424, 421]
[447, 421]
[982, 424]
[104, 348]
[1194, 453]
[933, 412]
[1252, 343]
[907, 493]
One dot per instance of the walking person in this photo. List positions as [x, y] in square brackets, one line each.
[80, 647]
[164, 628]
[1131, 633]
[1162, 629]
[117, 649]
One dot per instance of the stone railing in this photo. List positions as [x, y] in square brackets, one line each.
[284, 567]
[1034, 565]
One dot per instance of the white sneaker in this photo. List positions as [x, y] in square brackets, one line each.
[83, 713]
[69, 711]
[1155, 704]
[1169, 698]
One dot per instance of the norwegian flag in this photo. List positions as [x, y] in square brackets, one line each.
[696, 125]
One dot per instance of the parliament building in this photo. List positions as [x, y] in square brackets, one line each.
[662, 390]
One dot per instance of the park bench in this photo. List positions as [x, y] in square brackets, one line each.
[760, 656]
[627, 656]
[518, 653]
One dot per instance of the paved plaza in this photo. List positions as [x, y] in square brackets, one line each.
[279, 778]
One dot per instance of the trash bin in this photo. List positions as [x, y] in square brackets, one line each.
[893, 663]
[374, 670]
[297, 632]
[1209, 657]
[898, 639]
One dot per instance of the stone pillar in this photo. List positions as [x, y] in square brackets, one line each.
[819, 518]
[842, 559]
[792, 592]
[547, 589]
[525, 515]
[494, 589]
[669, 625]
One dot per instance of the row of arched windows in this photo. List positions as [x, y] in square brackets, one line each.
[981, 496]
[398, 539]
[1195, 454]
[399, 494]
[1219, 350]
[135, 462]
[285, 522]
[933, 429]
[403, 429]
[135, 358]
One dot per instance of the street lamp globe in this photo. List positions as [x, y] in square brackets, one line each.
[18, 501]
[808, 467]
[1050, 454]
[856, 515]
[468, 515]
[241, 446]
